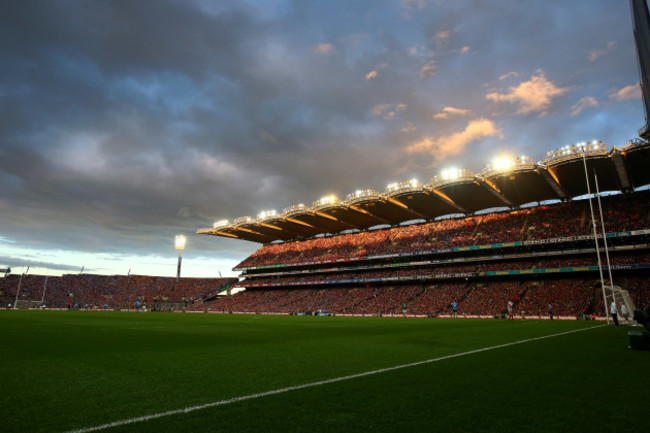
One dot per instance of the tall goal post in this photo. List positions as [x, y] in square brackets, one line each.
[609, 264]
[20, 282]
[602, 227]
[593, 224]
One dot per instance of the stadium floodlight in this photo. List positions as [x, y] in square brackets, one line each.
[242, 220]
[502, 163]
[403, 186]
[294, 208]
[577, 150]
[450, 173]
[392, 187]
[220, 223]
[361, 193]
[329, 199]
[179, 243]
[266, 214]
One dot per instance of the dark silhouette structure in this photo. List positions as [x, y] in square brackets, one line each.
[641, 20]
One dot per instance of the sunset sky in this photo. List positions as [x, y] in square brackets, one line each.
[125, 123]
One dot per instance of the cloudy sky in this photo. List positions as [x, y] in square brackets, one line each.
[124, 123]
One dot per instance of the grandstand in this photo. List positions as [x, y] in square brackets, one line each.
[518, 231]
[109, 291]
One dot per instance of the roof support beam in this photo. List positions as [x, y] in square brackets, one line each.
[553, 181]
[280, 229]
[497, 192]
[345, 223]
[413, 211]
[619, 164]
[300, 222]
[365, 212]
[446, 198]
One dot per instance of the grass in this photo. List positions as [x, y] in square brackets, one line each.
[67, 370]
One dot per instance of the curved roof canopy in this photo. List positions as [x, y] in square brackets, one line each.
[506, 183]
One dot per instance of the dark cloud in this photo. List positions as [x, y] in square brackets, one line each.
[123, 123]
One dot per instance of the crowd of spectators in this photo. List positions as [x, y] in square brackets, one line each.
[621, 212]
[105, 291]
[491, 298]
[437, 299]
[568, 297]
[419, 272]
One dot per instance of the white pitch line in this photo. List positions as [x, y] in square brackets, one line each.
[310, 385]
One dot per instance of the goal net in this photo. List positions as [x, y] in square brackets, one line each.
[22, 304]
[621, 297]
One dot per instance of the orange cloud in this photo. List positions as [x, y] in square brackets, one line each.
[429, 69]
[408, 127]
[596, 54]
[628, 92]
[450, 111]
[508, 75]
[379, 109]
[387, 111]
[534, 95]
[587, 101]
[451, 145]
[442, 36]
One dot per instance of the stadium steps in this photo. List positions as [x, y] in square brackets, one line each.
[522, 294]
[598, 294]
[410, 300]
[524, 226]
[470, 288]
[473, 235]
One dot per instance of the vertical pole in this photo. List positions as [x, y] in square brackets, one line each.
[602, 224]
[44, 289]
[178, 269]
[20, 281]
[593, 224]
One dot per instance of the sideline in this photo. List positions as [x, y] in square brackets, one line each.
[312, 384]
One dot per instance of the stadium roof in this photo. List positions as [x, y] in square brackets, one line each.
[505, 183]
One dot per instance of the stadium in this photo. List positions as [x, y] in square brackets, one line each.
[481, 261]
[471, 302]
[350, 373]
[481, 241]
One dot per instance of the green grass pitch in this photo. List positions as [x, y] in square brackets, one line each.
[61, 371]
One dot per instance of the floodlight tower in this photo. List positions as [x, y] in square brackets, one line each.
[179, 242]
